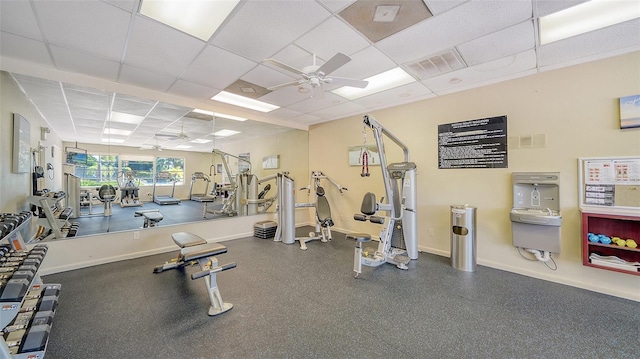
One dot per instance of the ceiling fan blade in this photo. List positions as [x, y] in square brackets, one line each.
[277, 87]
[168, 136]
[337, 61]
[279, 64]
[341, 81]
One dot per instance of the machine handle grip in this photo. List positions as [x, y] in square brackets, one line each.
[376, 219]
[205, 273]
[359, 217]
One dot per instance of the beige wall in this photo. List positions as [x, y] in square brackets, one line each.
[15, 187]
[575, 108]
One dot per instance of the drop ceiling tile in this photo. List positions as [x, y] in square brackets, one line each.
[84, 63]
[82, 113]
[160, 48]
[285, 96]
[145, 78]
[331, 37]
[461, 24]
[285, 21]
[129, 5]
[78, 98]
[396, 96]
[344, 109]
[295, 57]
[474, 76]
[228, 67]
[336, 5]
[90, 26]
[283, 113]
[365, 63]
[24, 49]
[546, 7]
[317, 103]
[305, 119]
[265, 76]
[439, 6]
[166, 111]
[132, 105]
[512, 40]
[193, 90]
[624, 36]
[16, 17]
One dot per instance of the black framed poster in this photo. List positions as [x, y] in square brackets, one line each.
[480, 143]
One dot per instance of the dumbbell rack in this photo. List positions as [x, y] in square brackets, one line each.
[56, 218]
[27, 306]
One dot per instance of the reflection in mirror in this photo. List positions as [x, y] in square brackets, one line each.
[132, 163]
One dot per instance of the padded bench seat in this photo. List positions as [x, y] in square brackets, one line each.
[205, 250]
[186, 239]
[151, 217]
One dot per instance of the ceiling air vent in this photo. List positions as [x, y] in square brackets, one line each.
[438, 64]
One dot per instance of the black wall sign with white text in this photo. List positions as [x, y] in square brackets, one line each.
[480, 143]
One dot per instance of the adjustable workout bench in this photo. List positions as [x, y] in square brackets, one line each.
[151, 217]
[195, 249]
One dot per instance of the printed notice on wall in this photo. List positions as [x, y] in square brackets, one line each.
[611, 182]
[480, 143]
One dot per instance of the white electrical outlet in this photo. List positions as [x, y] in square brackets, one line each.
[136, 235]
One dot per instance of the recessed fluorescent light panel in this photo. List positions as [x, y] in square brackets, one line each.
[218, 114]
[200, 140]
[115, 131]
[126, 118]
[237, 100]
[183, 147]
[226, 133]
[378, 83]
[198, 18]
[588, 16]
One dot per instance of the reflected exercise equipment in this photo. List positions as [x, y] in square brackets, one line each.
[398, 239]
[200, 197]
[127, 183]
[165, 199]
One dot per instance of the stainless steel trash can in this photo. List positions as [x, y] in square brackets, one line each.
[463, 238]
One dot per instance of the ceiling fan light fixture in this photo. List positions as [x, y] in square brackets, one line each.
[585, 17]
[377, 83]
[197, 18]
[237, 100]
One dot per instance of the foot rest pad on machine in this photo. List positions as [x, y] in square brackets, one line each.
[359, 237]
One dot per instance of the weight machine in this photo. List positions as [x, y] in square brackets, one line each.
[398, 239]
[323, 220]
[129, 189]
[232, 203]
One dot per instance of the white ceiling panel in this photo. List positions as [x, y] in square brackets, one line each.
[466, 22]
[159, 48]
[331, 37]
[404, 94]
[145, 78]
[17, 17]
[503, 67]
[621, 36]
[84, 63]
[509, 41]
[193, 90]
[217, 68]
[107, 44]
[25, 49]
[89, 25]
[262, 28]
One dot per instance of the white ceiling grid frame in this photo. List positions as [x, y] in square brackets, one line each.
[192, 90]
[23, 48]
[145, 78]
[104, 33]
[16, 17]
[480, 75]
[331, 37]
[512, 40]
[453, 27]
[84, 63]
[284, 20]
[577, 48]
[228, 67]
[336, 5]
[408, 93]
[160, 48]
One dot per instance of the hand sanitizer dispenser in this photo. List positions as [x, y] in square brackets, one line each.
[535, 216]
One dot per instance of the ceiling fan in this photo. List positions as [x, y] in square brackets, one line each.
[316, 76]
[180, 136]
[155, 147]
